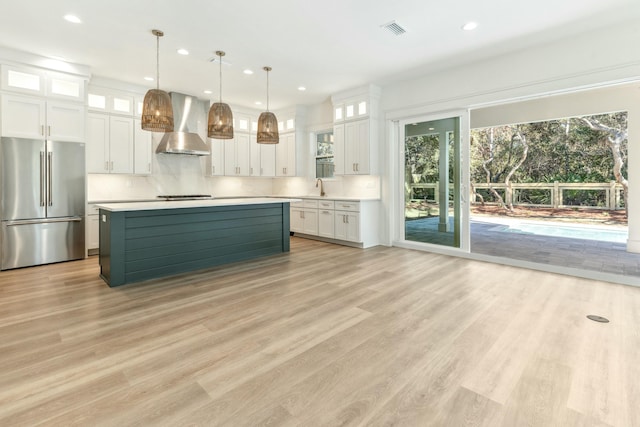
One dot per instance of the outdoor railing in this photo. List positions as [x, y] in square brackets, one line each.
[554, 194]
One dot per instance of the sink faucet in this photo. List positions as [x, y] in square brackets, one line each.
[321, 187]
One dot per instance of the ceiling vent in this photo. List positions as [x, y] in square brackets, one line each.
[394, 28]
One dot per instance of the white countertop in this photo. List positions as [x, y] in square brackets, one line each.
[330, 197]
[181, 204]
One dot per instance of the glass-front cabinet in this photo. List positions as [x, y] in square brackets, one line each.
[325, 165]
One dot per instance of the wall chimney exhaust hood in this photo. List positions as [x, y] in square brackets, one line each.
[187, 112]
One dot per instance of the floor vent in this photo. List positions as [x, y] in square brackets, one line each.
[395, 28]
[598, 318]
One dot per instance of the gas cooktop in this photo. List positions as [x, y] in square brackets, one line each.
[173, 197]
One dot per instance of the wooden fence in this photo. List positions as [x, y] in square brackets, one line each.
[555, 194]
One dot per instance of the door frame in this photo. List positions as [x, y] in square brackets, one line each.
[398, 135]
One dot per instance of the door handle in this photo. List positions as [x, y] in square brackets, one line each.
[42, 183]
[50, 175]
[43, 221]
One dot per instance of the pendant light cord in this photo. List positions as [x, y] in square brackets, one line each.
[220, 59]
[267, 91]
[158, 62]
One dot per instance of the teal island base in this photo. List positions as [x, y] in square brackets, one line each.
[139, 244]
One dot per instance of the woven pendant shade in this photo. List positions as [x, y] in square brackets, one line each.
[220, 123]
[267, 122]
[157, 112]
[268, 128]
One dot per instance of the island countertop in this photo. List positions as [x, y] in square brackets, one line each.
[178, 204]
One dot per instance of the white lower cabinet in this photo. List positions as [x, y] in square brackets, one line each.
[326, 220]
[339, 220]
[92, 229]
[347, 226]
[304, 217]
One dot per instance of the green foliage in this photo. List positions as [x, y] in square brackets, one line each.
[565, 150]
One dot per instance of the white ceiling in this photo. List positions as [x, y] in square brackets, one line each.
[326, 46]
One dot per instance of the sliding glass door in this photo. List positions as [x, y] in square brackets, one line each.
[432, 181]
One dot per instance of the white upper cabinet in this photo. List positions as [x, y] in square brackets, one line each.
[354, 109]
[267, 160]
[355, 131]
[216, 159]
[142, 143]
[65, 122]
[39, 82]
[111, 101]
[110, 144]
[286, 155]
[236, 155]
[28, 117]
[23, 117]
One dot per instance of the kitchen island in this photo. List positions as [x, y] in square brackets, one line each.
[145, 240]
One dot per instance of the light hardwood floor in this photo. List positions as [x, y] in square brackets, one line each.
[325, 335]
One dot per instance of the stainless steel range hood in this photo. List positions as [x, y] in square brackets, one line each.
[188, 111]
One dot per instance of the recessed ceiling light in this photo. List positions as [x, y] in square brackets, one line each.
[469, 26]
[183, 51]
[149, 79]
[258, 103]
[248, 72]
[302, 88]
[208, 92]
[72, 18]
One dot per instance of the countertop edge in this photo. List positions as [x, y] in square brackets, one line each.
[186, 204]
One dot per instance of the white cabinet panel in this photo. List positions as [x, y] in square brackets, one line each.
[23, 117]
[120, 144]
[286, 155]
[216, 160]
[267, 160]
[304, 220]
[338, 149]
[97, 143]
[93, 231]
[326, 218]
[65, 122]
[142, 149]
[110, 144]
[347, 226]
[236, 155]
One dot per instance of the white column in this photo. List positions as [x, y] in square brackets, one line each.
[633, 166]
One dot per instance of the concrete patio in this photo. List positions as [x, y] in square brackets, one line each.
[595, 255]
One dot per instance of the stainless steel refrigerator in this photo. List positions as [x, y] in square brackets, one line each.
[42, 202]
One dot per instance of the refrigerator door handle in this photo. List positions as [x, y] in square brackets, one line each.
[42, 173]
[43, 221]
[49, 170]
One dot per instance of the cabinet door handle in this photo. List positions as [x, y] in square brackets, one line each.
[111, 165]
[261, 172]
[250, 171]
[106, 166]
[49, 130]
[347, 218]
[357, 167]
[149, 166]
[42, 130]
[213, 169]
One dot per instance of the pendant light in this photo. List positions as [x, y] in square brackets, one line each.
[157, 112]
[267, 122]
[220, 123]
